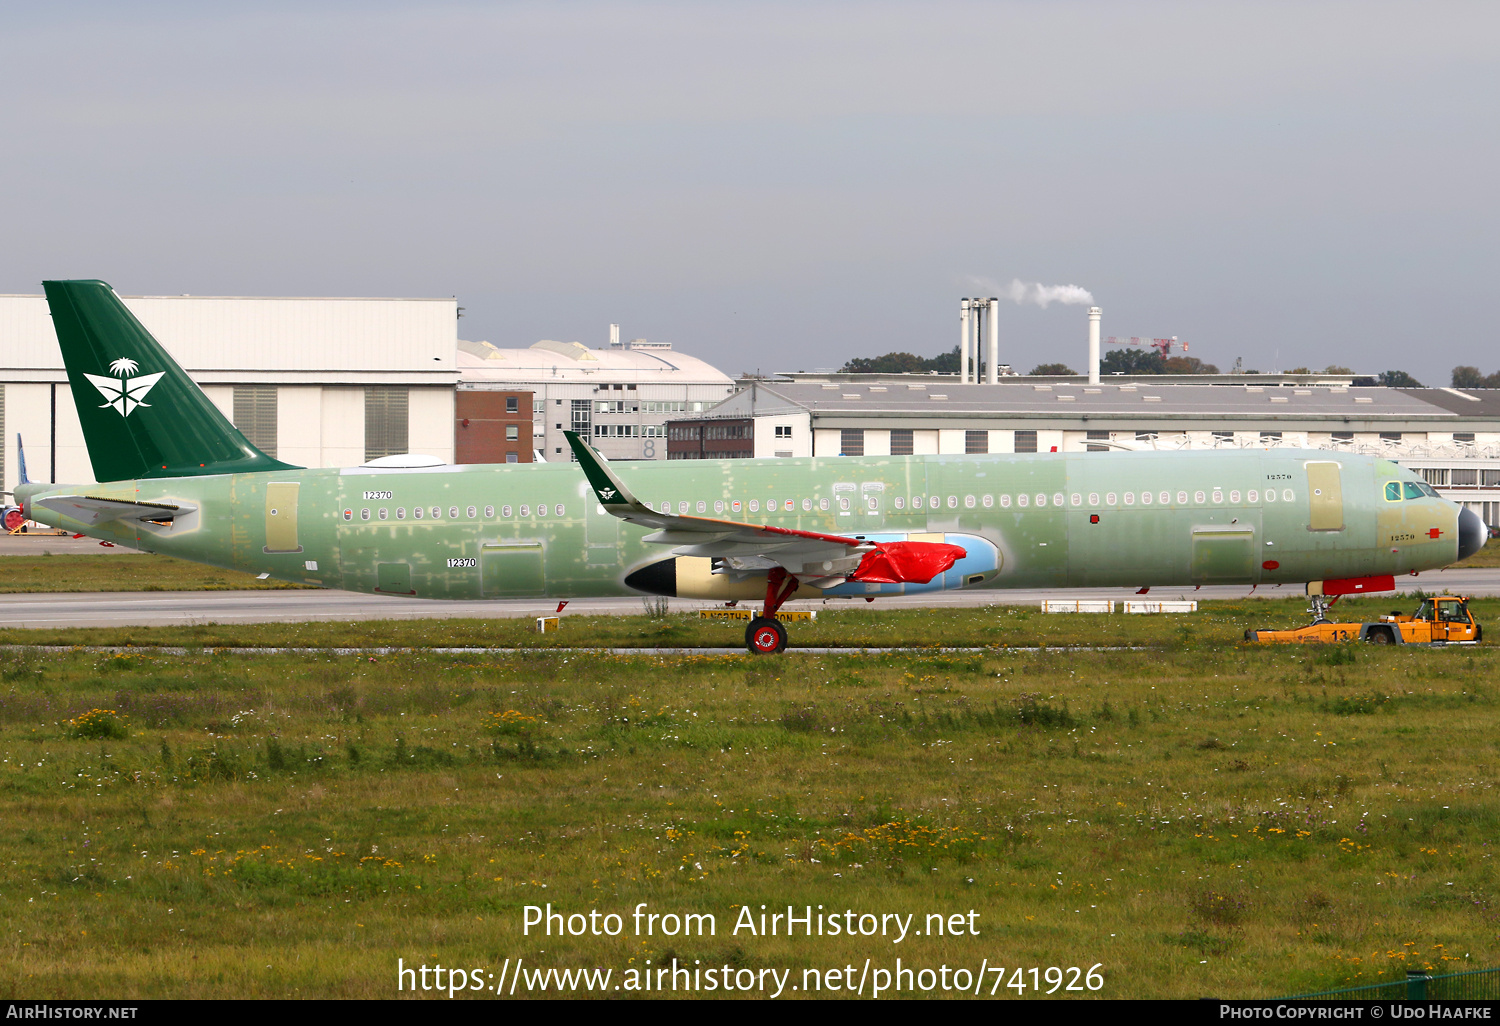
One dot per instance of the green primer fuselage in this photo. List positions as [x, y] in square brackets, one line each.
[514, 530]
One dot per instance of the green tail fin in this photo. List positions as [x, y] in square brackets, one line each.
[142, 415]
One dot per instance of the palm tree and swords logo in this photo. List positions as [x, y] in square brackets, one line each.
[123, 392]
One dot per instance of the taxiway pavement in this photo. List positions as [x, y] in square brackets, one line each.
[160, 608]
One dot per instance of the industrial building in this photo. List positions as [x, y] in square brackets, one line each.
[1451, 436]
[621, 397]
[312, 382]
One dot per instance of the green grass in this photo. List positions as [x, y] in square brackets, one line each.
[73, 572]
[1200, 817]
[854, 625]
[1489, 556]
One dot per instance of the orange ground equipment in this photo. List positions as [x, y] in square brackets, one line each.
[1443, 620]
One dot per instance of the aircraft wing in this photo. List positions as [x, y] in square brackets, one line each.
[749, 549]
[92, 511]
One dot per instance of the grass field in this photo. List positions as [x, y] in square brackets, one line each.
[1200, 817]
[75, 572]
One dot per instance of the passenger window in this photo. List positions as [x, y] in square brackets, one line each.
[989, 500]
[934, 502]
[1286, 494]
[1057, 498]
[382, 513]
[900, 502]
[401, 513]
[1165, 497]
[364, 514]
[1234, 496]
[437, 512]
[1182, 498]
[558, 510]
[1109, 500]
[1218, 497]
[823, 504]
[1022, 500]
[417, 512]
[452, 512]
[1145, 498]
[843, 503]
[1393, 491]
[505, 512]
[1412, 491]
[682, 507]
[1041, 500]
[1005, 502]
[1270, 495]
[754, 505]
[806, 505]
[489, 512]
[968, 502]
[1252, 495]
[953, 502]
[1198, 498]
[1130, 498]
[718, 506]
[1093, 498]
[474, 512]
[525, 511]
[702, 506]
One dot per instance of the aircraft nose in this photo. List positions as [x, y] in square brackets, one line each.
[1472, 533]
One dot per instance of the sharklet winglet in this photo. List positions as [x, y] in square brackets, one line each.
[610, 490]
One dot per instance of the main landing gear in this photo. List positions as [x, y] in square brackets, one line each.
[766, 635]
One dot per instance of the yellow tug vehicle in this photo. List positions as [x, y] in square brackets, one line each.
[1442, 620]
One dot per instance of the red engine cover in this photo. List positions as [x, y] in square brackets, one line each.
[1359, 585]
[899, 562]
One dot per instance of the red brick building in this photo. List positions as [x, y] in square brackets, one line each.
[492, 427]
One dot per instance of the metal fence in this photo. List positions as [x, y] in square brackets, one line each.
[1477, 985]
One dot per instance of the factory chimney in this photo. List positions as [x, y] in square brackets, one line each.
[1094, 314]
[963, 343]
[992, 372]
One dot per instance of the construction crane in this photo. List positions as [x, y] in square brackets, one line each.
[1161, 345]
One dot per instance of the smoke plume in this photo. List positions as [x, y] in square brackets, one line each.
[1019, 292]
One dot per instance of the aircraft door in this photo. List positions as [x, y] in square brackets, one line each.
[281, 516]
[1325, 496]
[510, 569]
[601, 534]
[1223, 555]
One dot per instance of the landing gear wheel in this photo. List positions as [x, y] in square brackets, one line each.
[765, 636]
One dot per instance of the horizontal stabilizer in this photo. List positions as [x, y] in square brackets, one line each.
[92, 511]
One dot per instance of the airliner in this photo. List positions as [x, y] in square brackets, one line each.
[175, 477]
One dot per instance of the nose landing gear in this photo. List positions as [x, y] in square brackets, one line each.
[766, 635]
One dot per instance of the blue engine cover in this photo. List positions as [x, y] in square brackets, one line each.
[982, 562]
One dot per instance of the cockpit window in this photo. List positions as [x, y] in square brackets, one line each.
[1393, 491]
[1413, 490]
[1428, 490]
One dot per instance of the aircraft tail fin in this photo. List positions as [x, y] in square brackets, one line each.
[142, 415]
[21, 455]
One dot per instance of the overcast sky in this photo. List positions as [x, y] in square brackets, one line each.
[782, 186]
